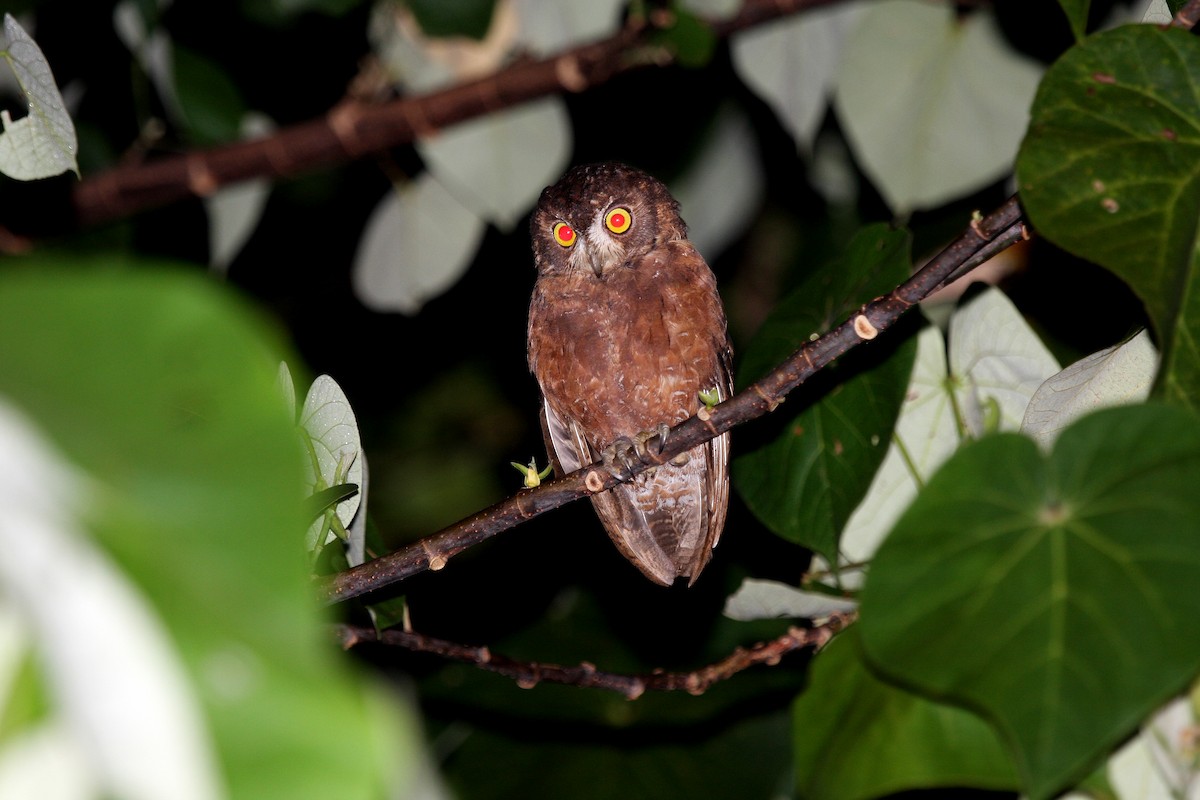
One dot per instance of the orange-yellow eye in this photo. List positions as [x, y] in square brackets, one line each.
[618, 220]
[564, 234]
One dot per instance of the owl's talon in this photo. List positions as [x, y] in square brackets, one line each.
[619, 457]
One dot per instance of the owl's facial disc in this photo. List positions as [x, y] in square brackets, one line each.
[604, 251]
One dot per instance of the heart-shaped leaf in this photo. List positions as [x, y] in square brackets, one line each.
[1108, 171]
[1056, 593]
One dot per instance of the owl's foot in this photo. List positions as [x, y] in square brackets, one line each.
[625, 452]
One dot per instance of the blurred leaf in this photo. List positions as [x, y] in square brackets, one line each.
[209, 101]
[857, 737]
[418, 241]
[722, 190]
[747, 760]
[1116, 375]
[42, 143]
[234, 211]
[547, 28]
[498, 164]
[759, 599]
[453, 17]
[101, 640]
[712, 9]
[160, 387]
[1077, 14]
[1160, 762]
[792, 62]
[933, 105]
[688, 37]
[1108, 172]
[1054, 593]
[805, 483]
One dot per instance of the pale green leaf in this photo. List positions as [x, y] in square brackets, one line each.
[934, 107]
[42, 143]
[713, 9]
[547, 28]
[1157, 12]
[334, 453]
[1160, 762]
[722, 189]
[418, 241]
[997, 362]
[498, 164]
[763, 599]
[926, 434]
[792, 62]
[1113, 376]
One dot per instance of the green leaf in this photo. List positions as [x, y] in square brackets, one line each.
[469, 18]
[418, 241]
[208, 100]
[331, 442]
[933, 105]
[1077, 14]
[1055, 593]
[498, 165]
[857, 737]
[804, 483]
[688, 37]
[42, 143]
[1113, 376]
[1107, 171]
[160, 388]
[759, 599]
[792, 63]
[996, 361]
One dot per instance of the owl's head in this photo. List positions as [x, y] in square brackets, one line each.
[602, 217]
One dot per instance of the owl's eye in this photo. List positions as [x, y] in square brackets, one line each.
[564, 234]
[618, 219]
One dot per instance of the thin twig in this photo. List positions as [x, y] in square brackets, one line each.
[433, 552]
[528, 674]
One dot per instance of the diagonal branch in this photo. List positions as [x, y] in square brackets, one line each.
[528, 674]
[354, 128]
[983, 237]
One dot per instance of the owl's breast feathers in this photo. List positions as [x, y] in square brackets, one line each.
[621, 355]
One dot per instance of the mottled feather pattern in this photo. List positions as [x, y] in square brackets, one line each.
[625, 330]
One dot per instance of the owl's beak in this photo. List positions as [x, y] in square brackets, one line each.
[597, 262]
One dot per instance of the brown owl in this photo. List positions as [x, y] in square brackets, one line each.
[625, 330]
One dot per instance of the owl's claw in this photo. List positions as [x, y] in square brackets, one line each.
[625, 452]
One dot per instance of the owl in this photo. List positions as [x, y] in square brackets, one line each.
[625, 330]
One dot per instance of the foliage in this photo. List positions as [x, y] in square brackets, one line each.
[1024, 538]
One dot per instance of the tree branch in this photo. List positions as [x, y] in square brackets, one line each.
[354, 128]
[528, 674]
[983, 237]
[1188, 16]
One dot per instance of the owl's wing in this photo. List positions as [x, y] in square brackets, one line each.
[628, 511]
[564, 442]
